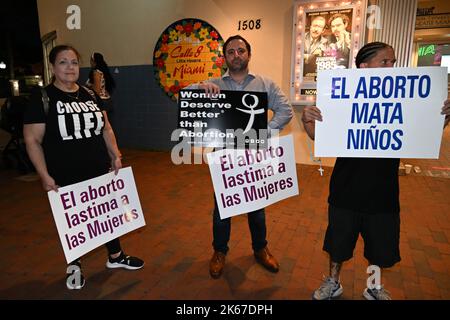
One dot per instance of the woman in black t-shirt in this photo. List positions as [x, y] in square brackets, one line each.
[71, 142]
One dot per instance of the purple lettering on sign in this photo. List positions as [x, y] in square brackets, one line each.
[65, 200]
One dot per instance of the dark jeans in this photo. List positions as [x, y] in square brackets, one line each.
[222, 230]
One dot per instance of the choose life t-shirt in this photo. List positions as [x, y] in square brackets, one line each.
[73, 143]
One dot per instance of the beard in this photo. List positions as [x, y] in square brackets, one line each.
[237, 65]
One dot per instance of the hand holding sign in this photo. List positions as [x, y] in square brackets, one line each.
[446, 111]
[90, 213]
[209, 87]
[309, 117]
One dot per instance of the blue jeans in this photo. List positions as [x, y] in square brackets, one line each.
[222, 230]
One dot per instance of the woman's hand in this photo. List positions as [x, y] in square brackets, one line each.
[48, 183]
[116, 164]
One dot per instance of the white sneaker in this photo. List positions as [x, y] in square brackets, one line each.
[329, 289]
[376, 294]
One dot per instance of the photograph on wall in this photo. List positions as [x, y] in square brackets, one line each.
[327, 41]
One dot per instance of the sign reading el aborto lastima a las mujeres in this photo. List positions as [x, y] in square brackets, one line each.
[246, 180]
[381, 112]
[219, 120]
[92, 212]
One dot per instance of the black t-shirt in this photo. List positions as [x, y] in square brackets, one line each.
[73, 144]
[366, 185]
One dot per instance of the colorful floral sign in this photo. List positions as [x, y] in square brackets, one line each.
[188, 51]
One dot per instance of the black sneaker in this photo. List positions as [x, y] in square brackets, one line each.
[124, 261]
[74, 279]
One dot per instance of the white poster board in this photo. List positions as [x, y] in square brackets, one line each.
[248, 180]
[92, 212]
[381, 112]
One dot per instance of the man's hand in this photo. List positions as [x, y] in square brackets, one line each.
[209, 87]
[446, 111]
[311, 113]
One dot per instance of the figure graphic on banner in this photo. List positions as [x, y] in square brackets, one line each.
[340, 41]
[251, 112]
[237, 53]
[368, 206]
[316, 44]
[69, 139]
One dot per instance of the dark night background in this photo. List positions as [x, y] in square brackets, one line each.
[20, 43]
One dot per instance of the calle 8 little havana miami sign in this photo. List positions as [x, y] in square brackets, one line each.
[188, 51]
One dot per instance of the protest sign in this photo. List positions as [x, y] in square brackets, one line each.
[92, 212]
[219, 120]
[247, 180]
[381, 112]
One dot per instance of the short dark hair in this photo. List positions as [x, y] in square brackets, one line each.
[370, 50]
[344, 18]
[237, 37]
[54, 52]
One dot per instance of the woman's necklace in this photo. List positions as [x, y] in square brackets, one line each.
[73, 95]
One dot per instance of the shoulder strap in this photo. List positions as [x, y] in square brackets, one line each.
[45, 100]
[91, 92]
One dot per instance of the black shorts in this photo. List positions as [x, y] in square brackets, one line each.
[381, 234]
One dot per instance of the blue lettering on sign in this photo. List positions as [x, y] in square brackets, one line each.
[335, 86]
[374, 113]
[388, 85]
[426, 86]
[385, 112]
[412, 79]
[400, 83]
[374, 139]
[361, 89]
[375, 87]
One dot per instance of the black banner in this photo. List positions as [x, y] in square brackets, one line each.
[308, 92]
[227, 119]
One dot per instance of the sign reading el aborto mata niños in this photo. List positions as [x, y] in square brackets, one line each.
[246, 180]
[381, 112]
[211, 120]
[92, 212]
